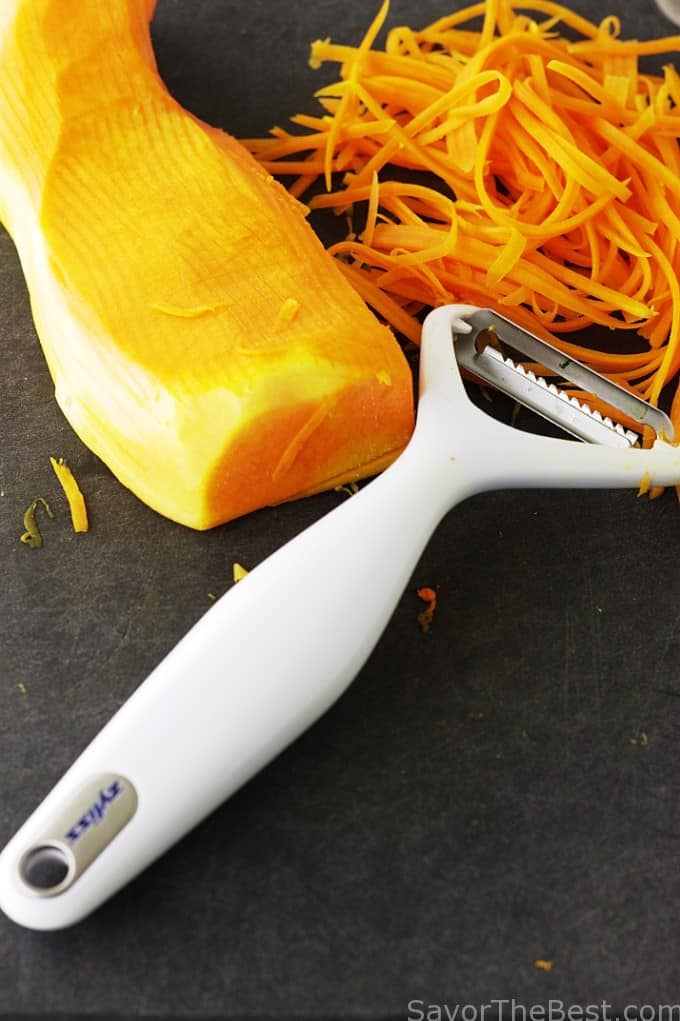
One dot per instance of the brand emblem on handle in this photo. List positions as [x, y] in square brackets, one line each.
[96, 812]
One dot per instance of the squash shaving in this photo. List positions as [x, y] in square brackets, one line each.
[286, 314]
[543, 965]
[72, 492]
[32, 537]
[518, 159]
[189, 313]
[426, 616]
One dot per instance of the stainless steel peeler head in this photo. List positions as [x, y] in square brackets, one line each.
[489, 454]
[493, 350]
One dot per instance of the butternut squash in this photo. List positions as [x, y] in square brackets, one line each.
[200, 339]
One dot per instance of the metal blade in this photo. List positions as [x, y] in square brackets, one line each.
[492, 365]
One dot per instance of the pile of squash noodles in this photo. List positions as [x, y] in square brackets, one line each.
[511, 157]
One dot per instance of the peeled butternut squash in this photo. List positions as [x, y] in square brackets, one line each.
[200, 339]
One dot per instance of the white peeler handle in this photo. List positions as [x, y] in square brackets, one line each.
[262, 664]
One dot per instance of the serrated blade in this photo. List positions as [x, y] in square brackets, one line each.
[547, 399]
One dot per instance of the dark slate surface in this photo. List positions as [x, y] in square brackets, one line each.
[479, 799]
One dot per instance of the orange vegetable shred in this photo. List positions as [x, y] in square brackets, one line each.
[517, 159]
[544, 965]
[426, 616]
[76, 500]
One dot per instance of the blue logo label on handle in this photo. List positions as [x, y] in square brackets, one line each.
[96, 812]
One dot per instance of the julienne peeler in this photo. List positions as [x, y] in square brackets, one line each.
[283, 644]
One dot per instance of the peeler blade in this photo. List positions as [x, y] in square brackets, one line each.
[481, 352]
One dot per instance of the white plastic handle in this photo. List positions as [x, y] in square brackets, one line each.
[262, 665]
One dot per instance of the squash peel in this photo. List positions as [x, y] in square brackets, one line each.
[201, 340]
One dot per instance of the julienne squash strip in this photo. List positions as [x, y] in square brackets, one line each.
[202, 341]
[73, 494]
[544, 171]
[32, 537]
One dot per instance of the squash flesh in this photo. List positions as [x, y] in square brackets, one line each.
[201, 340]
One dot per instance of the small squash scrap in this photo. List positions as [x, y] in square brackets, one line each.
[201, 340]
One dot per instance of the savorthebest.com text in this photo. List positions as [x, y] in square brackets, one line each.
[554, 1010]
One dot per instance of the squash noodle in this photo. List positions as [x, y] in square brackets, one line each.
[516, 159]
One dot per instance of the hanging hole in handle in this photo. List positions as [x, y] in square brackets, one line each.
[47, 869]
